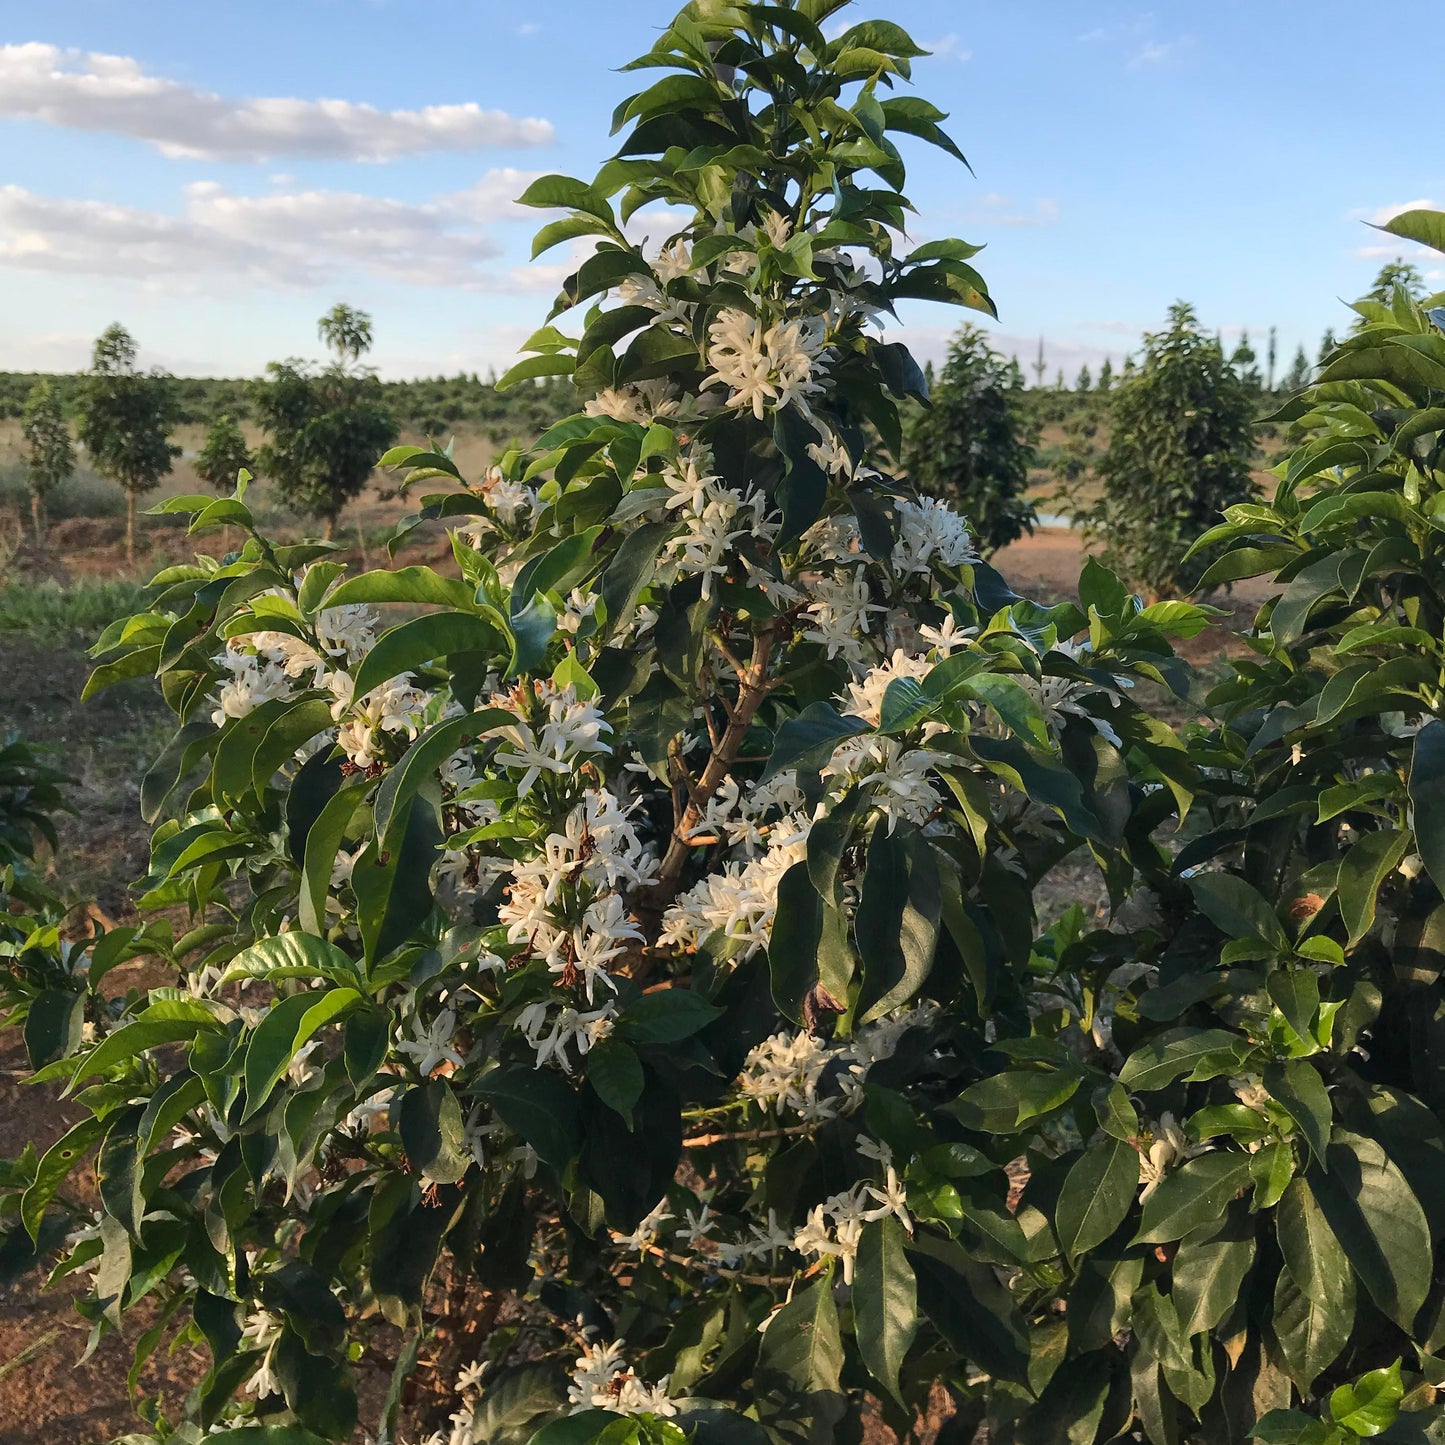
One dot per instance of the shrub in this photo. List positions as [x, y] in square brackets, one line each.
[1179, 450]
[51, 455]
[972, 447]
[325, 428]
[126, 418]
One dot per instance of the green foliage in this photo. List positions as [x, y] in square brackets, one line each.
[126, 419]
[325, 428]
[1179, 451]
[71, 614]
[972, 446]
[29, 794]
[223, 455]
[50, 458]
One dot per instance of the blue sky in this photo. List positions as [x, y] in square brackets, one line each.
[187, 168]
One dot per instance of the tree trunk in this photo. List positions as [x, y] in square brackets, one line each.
[329, 530]
[37, 515]
[130, 529]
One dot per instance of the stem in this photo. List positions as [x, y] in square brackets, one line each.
[702, 1141]
[753, 687]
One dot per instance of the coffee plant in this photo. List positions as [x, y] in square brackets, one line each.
[607, 982]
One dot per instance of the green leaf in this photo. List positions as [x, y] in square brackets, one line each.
[293, 955]
[1007, 1102]
[1194, 1194]
[896, 925]
[417, 585]
[1016, 707]
[1427, 798]
[807, 741]
[667, 1016]
[1296, 993]
[323, 840]
[539, 1106]
[54, 1168]
[1298, 1089]
[973, 1312]
[431, 1127]
[564, 193]
[885, 1302]
[1379, 1222]
[803, 1344]
[630, 571]
[1209, 1270]
[1370, 1405]
[1315, 1298]
[1292, 1427]
[420, 763]
[162, 1023]
[289, 1024]
[54, 1025]
[1097, 1194]
[615, 1073]
[1362, 870]
[1194, 1054]
[1236, 909]
[1422, 225]
[554, 363]
[401, 650]
[793, 944]
[393, 883]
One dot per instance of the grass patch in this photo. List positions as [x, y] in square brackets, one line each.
[73, 616]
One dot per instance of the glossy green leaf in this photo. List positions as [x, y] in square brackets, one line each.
[885, 1302]
[1097, 1194]
[288, 1025]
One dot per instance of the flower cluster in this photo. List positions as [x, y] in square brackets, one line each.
[601, 1380]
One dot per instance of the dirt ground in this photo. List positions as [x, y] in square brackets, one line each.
[48, 1396]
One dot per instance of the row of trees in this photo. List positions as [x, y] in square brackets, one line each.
[324, 427]
[1179, 451]
[1244, 360]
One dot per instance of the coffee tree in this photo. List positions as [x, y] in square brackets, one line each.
[973, 444]
[126, 419]
[1179, 453]
[50, 453]
[608, 986]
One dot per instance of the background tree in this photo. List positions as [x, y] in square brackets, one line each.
[1246, 364]
[50, 454]
[1178, 454]
[1298, 375]
[126, 419]
[325, 428]
[1392, 275]
[1272, 355]
[973, 445]
[1327, 346]
[1106, 376]
[1038, 365]
[223, 454]
[1083, 382]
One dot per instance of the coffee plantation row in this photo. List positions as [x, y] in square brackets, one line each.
[606, 982]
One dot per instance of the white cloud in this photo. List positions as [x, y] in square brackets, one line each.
[1158, 52]
[85, 90]
[948, 47]
[301, 238]
[999, 210]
